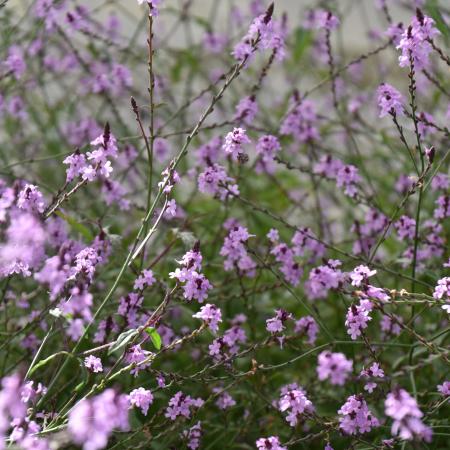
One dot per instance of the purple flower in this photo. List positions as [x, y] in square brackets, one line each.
[93, 363]
[137, 355]
[235, 253]
[395, 32]
[415, 41]
[308, 326]
[144, 280]
[442, 292]
[273, 235]
[355, 416]
[270, 443]
[215, 181]
[141, 398]
[360, 275]
[323, 278]
[373, 371]
[92, 421]
[390, 100]
[225, 400]
[15, 62]
[325, 19]
[406, 227]
[153, 6]
[196, 284]
[293, 400]
[31, 199]
[23, 247]
[267, 147]
[246, 110]
[357, 318]
[234, 141]
[193, 436]
[389, 326]
[406, 415]
[262, 33]
[440, 181]
[211, 315]
[348, 178]
[334, 366]
[170, 178]
[181, 404]
[275, 324]
[196, 287]
[171, 209]
[444, 388]
[301, 122]
[443, 209]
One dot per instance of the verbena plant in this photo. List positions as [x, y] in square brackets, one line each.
[223, 232]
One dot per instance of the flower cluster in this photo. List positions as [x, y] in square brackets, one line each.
[355, 416]
[406, 415]
[270, 443]
[211, 315]
[234, 250]
[215, 181]
[390, 101]
[293, 400]
[193, 435]
[414, 43]
[181, 404]
[358, 317]
[141, 398]
[263, 34]
[97, 162]
[334, 366]
[234, 141]
[371, 373]
[196, 285]
[324, 228]
[91, 421]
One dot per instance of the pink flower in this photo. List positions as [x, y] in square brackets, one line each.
[403, 409]
[444, 388]
[144, 280]
[293, 400]
[234, 141]
[355, 416]
[360, 275]
[141, 398]
[181, 404]
[211, 315]
[92, 421]
[270, 443]
[93, 363]
[390, 100]
[334, 366]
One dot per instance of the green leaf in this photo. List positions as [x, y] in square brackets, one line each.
[432, 7]
[123, 340]
[84, 231]
[155, 337]
[302, 40]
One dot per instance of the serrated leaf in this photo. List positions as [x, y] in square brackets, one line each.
[155, 337]
[123, 340]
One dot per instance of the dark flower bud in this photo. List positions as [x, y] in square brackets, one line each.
[269, 13]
